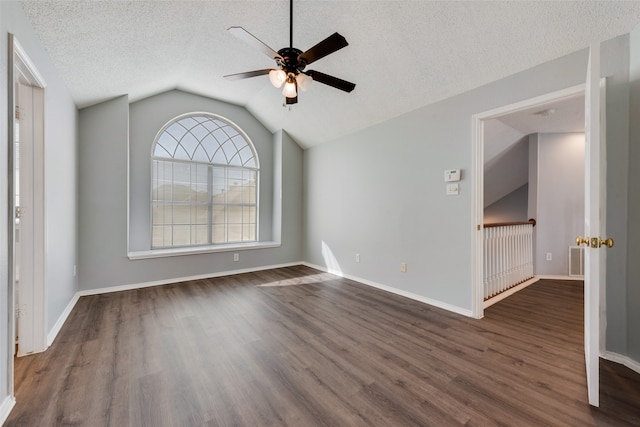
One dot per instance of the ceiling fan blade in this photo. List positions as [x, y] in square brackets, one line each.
[331, 81]
[248, 74]
[327, 46]
[252, 40]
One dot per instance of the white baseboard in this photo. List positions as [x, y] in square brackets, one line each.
[502, 295]
[53, 333]
[129, 287]
[559, 277]
[6, 407]
[621, 359]
[416, 297]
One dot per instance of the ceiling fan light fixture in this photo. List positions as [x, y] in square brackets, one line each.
[291, 62]
[289, 90]
[304, 81]
[277, 77]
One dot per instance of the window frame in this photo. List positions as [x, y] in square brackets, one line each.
[211, 165]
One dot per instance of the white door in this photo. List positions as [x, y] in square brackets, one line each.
[28, 176]
[24, 224]
[594, 224]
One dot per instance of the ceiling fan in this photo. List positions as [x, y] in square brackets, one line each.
[291, 62]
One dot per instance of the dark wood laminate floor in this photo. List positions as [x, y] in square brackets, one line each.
[298, 347]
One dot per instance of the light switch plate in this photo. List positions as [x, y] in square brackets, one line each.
[453, 189]
[452, 175]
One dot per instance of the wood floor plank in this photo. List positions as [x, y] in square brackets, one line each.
[298, 347]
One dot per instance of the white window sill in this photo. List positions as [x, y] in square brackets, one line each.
[195, 250]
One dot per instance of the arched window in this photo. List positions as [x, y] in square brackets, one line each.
[204, 183]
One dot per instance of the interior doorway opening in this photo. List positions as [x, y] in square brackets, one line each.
[517, 128]
[27, 228]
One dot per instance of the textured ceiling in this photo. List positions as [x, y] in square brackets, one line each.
[401, 54]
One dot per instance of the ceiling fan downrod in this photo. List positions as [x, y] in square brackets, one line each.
[291, 24]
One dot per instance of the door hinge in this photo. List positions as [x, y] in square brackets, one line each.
[18, 212]
[17, 112]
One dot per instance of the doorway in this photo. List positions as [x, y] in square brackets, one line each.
[26, 178]
[515, 114]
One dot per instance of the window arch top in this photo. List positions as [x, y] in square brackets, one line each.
[205, 138]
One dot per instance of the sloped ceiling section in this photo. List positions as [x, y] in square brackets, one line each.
[402, 54]
[506, 142]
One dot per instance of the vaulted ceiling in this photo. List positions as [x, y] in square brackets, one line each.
[402, 54]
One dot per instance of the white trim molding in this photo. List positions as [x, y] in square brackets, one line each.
[6, 407]
[477, 201]
[194, 250]
[621, 359]
[560, 277]
[502, 295]
[53, 333]
[118, 288]
[386, 288]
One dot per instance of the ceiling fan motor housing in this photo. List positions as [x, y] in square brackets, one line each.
[289, 62]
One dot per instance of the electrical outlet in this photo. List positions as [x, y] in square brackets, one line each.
[403, 267]
[236, 257]
[549, 256]
[357, 257]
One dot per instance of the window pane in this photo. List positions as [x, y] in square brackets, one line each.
[175, 130]
[200, 214]
[181, 214]
[189, 142]
[248, 233]
[165, 146]
[200, 234]
[218, 215]
[218, 234]
[234, 214]
[249, 215]
[235, 232]
[235, 194]
[161, 236]
[200, 155]
[200, 132]
[181, 235]
[161, 214]
[201, 193]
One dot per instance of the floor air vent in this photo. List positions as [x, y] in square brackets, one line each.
[576, 261]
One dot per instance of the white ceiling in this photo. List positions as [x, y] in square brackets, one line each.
[402, 54]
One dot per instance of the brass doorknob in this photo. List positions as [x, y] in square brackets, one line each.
[594, 242]
[583, 241]
[607, 242]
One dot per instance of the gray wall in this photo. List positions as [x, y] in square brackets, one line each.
[560, 200]
[507, 171]
[633, 254]
[60, 180]
[511, 208]
[619, 193]
[380, 192]
[104, 153]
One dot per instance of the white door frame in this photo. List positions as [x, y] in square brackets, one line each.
[33, 308]
[477, 190]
